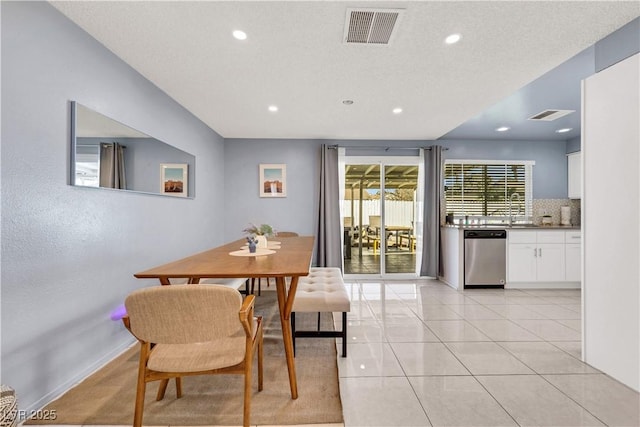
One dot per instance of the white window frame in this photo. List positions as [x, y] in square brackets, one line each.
[527, 197]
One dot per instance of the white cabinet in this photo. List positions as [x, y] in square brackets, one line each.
[551, 264]
[573, 256]
[522, 262]
[539, 256]
[574, 175]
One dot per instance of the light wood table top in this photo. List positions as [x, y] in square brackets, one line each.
[292, 260]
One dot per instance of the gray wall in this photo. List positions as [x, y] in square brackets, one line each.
[69, 253]
[549, 172]
[617, 46]
[574, 145]
[297, 212]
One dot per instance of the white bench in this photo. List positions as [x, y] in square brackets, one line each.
[323, 290]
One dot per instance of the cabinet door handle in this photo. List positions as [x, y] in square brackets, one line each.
[535, 254]
[540, 252]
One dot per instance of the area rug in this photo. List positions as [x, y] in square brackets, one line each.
[107, 397]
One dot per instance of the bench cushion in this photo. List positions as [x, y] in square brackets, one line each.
[323, 290]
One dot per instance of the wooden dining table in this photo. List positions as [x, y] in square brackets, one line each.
[292, 260]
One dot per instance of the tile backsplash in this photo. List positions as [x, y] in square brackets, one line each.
[552, 207]
[540, 207]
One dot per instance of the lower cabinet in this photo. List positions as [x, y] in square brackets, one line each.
[543, 262]
[542, 256]
[551, 263]
[522, 263]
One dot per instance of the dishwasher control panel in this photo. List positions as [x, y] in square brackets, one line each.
[485, 234]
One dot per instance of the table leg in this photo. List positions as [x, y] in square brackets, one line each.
[285, 301]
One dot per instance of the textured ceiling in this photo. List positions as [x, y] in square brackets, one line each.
[294, 57]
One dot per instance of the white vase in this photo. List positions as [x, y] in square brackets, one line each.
[262, 241]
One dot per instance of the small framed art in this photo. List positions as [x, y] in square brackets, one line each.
[173, 179]
[273, 180]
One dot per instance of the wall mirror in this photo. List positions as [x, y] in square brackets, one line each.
[108, 154]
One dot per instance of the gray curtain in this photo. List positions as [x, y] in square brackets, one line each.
[431, 221]
[328, 239]
[112, 166]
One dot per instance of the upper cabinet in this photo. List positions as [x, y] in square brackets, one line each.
[574, 172]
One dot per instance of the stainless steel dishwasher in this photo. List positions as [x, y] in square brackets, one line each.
[485, 258]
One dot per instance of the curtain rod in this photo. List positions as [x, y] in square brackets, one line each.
[336, 146]
[96, 145]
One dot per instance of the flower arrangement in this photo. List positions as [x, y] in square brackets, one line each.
[262, 230]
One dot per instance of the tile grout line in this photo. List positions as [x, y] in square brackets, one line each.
[572, 399]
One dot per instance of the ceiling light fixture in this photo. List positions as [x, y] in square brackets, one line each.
[564, 130]
[397, 110]
[453, 38]
[273, 108]
[240, 35]
[502, 129]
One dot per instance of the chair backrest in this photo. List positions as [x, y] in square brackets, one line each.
[374, 221]
[184, 314]
[287, 234]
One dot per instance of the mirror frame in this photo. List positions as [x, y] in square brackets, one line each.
[74, 116]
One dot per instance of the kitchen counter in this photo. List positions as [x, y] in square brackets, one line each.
[526, 237]
[512, 227]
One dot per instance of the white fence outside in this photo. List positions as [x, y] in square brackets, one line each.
[397, 212]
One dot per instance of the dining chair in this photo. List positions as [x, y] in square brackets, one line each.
[193, 330]
[287, 234]
[259, 279]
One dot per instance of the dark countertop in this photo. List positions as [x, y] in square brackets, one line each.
[513, 227]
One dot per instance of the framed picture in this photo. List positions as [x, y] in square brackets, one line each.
[173, 179]
[273, 180]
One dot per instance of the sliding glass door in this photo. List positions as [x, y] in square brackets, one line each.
[379, 211]
[399, 207]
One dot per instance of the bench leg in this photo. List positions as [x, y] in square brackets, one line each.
[319, 333]
[344, 334]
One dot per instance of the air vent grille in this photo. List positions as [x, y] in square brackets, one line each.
[550, 115]
[371, 26]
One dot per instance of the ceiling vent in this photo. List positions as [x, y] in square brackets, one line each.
[550, 115]
[371, 26]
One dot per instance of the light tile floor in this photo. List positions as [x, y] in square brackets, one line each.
[421, 353]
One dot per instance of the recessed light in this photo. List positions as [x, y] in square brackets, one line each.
[347, 102]
[273, 108]
[240, 35]
[453, 38]
[502, 129]
[564, 130]
[397, 110]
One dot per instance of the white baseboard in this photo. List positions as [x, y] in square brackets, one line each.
[544, 285]
[81, 376]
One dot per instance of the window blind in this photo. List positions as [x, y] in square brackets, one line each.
[484, 188]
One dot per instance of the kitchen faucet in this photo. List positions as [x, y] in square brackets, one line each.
[510, 203]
